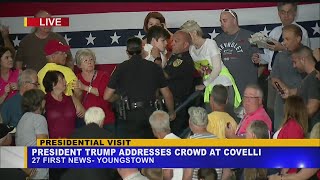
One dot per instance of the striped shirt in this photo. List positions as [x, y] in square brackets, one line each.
[204, 136]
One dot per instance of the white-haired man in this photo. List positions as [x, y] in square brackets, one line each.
[160, 124]
[93, 118]
[198, 122]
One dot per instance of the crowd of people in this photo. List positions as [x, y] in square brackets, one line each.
[173, 85]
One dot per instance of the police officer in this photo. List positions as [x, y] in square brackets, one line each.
[179, 72]
[138, 80]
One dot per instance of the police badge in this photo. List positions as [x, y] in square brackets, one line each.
[177, 62]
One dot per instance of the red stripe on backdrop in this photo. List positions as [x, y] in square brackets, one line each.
[29, 9]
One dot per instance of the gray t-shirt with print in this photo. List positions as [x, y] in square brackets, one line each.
[236, 53]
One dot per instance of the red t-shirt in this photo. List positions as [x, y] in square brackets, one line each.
[61, 116]
[291, 130]
[100, 82]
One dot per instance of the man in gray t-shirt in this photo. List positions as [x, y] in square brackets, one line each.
[283, 71]
[236, 51]
[309, 89]
[33, 125]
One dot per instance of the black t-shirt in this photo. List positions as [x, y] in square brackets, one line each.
[180, 69]
[138, 79]
[90, 131]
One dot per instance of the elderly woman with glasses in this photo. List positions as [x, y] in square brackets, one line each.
[9, 75]
[93, 83]
[206, 55]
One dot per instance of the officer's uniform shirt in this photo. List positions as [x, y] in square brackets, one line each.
[138, 79]
[180, 69]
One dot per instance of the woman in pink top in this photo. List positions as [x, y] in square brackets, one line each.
[59, 108]
[9, 75]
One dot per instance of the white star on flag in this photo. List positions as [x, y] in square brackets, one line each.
[67, 39]
[115, 38]
[316, 29]
[213, 34]
[90, 39]
[139, 35]
[16, 41]
[265, 31]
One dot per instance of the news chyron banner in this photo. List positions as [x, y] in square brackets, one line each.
[182, 153]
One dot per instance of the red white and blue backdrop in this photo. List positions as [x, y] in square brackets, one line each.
[105, 27]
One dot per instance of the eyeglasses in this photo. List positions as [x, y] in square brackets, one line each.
[250, 97]
[231, 12]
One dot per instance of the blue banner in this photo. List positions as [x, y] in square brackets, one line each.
[173, 157]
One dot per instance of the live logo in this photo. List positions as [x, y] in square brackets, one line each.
[50, 21]
[47, 22]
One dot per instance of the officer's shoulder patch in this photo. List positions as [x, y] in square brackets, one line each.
[177, 62]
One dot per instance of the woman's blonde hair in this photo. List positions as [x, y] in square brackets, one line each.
[295, 108]
[82, 53]
[192, 26]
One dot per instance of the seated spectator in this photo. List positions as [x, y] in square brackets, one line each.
[218, 119]
[253, 109]
[207, 174]
[56, 55]
[33, 125]
[160, 124]
[11, 111]
[60, 110]
[131, 174]
[94, 118]
[198, 122]
[256, 130]
[93, 83]
[9, 75]
[295, 122]
[155, 49]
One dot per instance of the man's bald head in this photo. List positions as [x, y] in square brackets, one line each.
[181, 42]
[42, 13]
